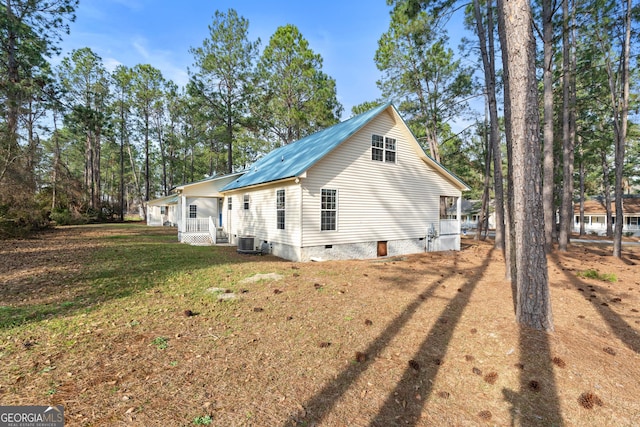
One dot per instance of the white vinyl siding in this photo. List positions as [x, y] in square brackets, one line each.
[379, 201]
[260, 220]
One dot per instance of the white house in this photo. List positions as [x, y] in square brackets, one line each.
[162, 211]
[360, 189]
[595, 216]
[199, 210]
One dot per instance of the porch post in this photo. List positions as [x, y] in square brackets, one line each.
[459, 213]
[183, 209]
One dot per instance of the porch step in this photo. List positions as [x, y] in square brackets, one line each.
[221, 236]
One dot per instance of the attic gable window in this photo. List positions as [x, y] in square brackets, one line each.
[377, 148]
[390, 150]
[383, 149]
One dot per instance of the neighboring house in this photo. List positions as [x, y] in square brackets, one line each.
[199, 210]
[360, 189]
[470, 210]
[162, 211]
[595, 215]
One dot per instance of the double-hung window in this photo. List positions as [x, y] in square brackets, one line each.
[245, 200]
[328, 210]
[377, 148]
[389, 150]
[193, 211]
[229, 202]
[383, 149]
[280, 203]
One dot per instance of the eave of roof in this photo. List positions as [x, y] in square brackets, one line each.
[208, 179]
[171, 199]
[630, 206]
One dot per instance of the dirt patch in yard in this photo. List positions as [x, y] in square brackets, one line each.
[116, 324]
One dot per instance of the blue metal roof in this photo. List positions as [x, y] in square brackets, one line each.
[294, 159]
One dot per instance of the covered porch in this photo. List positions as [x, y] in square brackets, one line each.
[200, 221]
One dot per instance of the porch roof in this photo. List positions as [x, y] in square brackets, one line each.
[171, 199]
[208, 187]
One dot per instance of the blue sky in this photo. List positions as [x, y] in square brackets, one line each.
[160, 32]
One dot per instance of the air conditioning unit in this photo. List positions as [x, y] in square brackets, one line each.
[245, 244]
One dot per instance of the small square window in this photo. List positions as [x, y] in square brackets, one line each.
[383, 149]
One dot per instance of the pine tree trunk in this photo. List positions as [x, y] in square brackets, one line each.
[621, 136]
[547, 165]
[606, 179]
[487, 178]
[582, 172]
[488, 60]
[122, 138]
[533, 303]
[567, 146]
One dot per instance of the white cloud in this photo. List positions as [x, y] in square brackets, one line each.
[111, 64]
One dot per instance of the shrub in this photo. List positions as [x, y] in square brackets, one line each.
[595, 274]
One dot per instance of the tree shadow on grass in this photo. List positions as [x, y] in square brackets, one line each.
[401, 406]
[625, 332]
[130, 262]
[536, 403]
[437, 340]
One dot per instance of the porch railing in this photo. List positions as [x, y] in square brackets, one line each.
[196, 225]
[449, 226]
[599, 226]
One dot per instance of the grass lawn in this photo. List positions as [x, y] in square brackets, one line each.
[124, 326]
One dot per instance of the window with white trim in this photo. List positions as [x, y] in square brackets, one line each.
[280, 203]
[377, 148]
[383, 149]
[328, 210]
[246, 202]
[389, 150]
[229, 202]
[193, 211]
